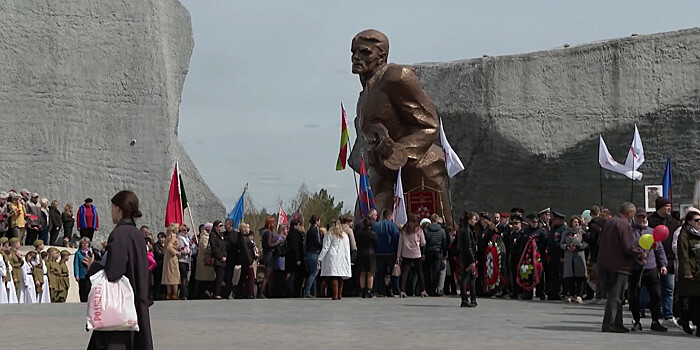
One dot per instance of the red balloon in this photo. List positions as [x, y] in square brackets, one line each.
[660, 233]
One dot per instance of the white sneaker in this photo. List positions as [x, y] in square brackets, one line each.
[671, 322]
[579, 300]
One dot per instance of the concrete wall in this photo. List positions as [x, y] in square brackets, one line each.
[80, 80]
[526, 126]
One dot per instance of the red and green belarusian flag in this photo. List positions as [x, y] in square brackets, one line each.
[344, 139]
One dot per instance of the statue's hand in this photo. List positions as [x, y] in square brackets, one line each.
[386, 148]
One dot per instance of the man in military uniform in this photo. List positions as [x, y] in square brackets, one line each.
[533, 229]
[556, 256]
[397, 123]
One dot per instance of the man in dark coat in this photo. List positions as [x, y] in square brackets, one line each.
[435, 249]
[293, 262]
[467, 256]
[618, 251]
[533, 229]
[233, 247]
[556, 256]
[662, 216]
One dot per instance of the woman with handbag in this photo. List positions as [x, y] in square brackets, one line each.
[125, 256]
[411, 241]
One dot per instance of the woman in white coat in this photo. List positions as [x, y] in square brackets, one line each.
[335, 258]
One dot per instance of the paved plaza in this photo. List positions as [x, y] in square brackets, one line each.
[413, 323]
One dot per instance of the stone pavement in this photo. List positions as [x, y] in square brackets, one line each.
[413, 323]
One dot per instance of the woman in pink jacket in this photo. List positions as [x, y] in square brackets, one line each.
[411, 241]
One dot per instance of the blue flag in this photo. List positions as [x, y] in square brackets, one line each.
[667, 181]
[366, 196]
[236, 213]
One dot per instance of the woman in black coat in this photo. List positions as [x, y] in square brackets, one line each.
[125, 256]
[366, 241]
[218, 252]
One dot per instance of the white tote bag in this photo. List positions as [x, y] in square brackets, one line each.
[111, 305]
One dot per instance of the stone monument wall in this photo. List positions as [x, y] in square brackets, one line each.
[79, 81]
[527, 126]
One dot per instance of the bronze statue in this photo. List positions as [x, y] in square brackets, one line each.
[397, 125]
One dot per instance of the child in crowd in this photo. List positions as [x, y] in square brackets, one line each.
[3, 275]
[7, 282]
[16, 261]
[64, 278]
[27, 291]
[40, 274]
[53, 272]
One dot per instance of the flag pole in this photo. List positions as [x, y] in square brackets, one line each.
[601, 186]
[354, 173]
[449, 200]
[632, 188]
[179, 190]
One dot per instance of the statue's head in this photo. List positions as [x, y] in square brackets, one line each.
[370, 50]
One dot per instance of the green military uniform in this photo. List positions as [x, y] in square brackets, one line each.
[16, 262]
[61, 287]
[38, 274]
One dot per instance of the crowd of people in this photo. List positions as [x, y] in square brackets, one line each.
[594, 257]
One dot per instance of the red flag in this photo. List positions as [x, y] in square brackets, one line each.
[173, 212]
[282, 218]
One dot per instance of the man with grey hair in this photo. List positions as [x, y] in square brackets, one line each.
[618, 250]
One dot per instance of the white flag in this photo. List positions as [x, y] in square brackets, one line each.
[635, 156]
[608, 162]
[452, 162]
[400, 217]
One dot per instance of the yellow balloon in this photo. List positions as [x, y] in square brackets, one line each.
[646, 241]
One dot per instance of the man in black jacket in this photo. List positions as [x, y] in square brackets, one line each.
[435, 249]
[467, 251]
[662, 216]
[293, 259]
[231, 236]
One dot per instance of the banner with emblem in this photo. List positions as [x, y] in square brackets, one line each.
[422, 203]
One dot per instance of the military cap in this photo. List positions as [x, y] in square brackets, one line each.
[544, 211]
[37, 243]
[531, 216]
[65, 253]
[504, 215]
[3, 240]
[53, 249]
[484, 216]
[14, 240]
[556, 214]
[517, 218]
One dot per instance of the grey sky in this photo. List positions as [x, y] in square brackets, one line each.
[261, 102]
